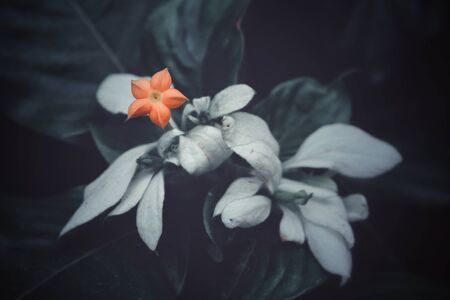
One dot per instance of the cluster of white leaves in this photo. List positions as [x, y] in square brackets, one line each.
[214, 129]
[218, 132]
[323, 220]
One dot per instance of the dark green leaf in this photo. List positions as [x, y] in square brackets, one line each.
[200, 41]
[106, 262]
[116, 136]
[296, 108]
[36, 223]
[216, 232]
[274, 271]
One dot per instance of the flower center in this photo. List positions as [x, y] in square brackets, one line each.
[154, 96]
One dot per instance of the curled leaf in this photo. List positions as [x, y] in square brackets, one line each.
[247, 212]
[202, 149]
[243, 187]
[167, 140]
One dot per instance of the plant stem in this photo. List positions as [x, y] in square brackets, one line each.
[173, 124]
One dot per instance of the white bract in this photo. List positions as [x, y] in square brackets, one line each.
[323, 218]
[240, 206]
[202, 149]
[250, 138]
[126, 182]
[230, 99]
[347, 150]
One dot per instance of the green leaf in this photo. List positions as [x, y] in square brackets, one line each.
[217, 233]
[274, 271]
[106, 262]
[70, 47]
[296, 108]
[199, 41]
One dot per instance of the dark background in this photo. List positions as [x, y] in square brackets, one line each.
[399, 88]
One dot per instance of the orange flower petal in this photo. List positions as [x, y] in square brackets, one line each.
[173, 98]
[161, 80]
[140, 88]
[139, 108]
[160, 114]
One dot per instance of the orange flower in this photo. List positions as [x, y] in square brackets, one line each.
[155, 98]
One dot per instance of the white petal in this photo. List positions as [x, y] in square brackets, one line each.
[357, 208]
[329, 213]
[291, 227]
[249, 137]
[166, 140]
[150, 211]
[242, 127]
[114, 93]
[345, 149]
[246, 212]
[201, 104]
[293, 186]
[191, 157]
[230, 99]
[134, 193]
[243, 187]
[188, 109]
[202, 149]
[108, 188]
[330, 250]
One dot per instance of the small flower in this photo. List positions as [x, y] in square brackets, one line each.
[155, 98]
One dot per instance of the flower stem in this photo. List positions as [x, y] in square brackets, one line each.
[173, 124]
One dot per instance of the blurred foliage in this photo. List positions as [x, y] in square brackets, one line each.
[64, 50]
[111, 260]
[61, 66]
[199, 41]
